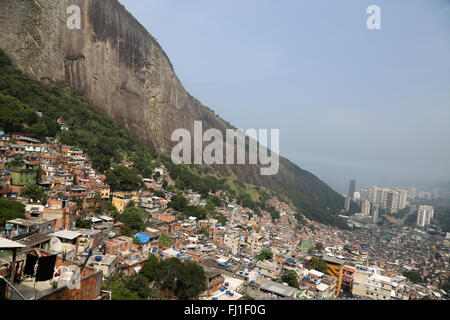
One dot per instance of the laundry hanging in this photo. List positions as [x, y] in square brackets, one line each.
[46, 268]
[28, 270]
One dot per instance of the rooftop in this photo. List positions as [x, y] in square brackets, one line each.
[66, 234]
[278, 288]
[30, 221]
[9, 244]
[35, 239]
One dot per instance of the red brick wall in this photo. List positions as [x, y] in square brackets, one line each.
[86, 291]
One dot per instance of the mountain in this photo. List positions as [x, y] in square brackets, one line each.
[124, 72]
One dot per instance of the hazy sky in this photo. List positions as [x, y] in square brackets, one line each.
[349, 102]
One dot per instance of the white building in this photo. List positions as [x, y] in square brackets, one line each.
[425, 215]
[365, 208]
[413, 193]
[388, 199]
[369, 283]
[232, 241]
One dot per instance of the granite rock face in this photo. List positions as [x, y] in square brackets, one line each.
[124, 72]
[112, 59]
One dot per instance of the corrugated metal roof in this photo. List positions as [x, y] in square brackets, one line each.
[9, 244]
[66, 234]
[278, 288]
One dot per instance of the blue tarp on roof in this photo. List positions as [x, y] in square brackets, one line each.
[142, 238]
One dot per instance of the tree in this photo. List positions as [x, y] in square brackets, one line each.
[445, 286]
[139, 284]
[413, 276]
[318, 264]
[38, 131]
[178, 202]
[34, 192]
[10, 210]
[17, 162]
[196, 211]
[222, 219]
[319, 247]
[164, 240]
[78, 201]
[265, 254]
[150, 268]
[120, 291]
[123, 179]
[291, 278]
[193, 280]
[83, 223]
[132, 218]
[186, 279]
[167, 273]
[204, 231]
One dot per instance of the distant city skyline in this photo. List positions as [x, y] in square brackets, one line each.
[350, 102]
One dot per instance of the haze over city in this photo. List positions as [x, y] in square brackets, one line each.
[385, 93]
[120, 178]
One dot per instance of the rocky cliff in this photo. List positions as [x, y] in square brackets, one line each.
[125, 73]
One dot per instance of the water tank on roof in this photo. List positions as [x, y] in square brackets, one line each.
[98, 258]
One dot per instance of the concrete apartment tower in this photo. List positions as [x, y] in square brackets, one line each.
[412, 193]
[351, 188]
[365, 207]
[425, 215]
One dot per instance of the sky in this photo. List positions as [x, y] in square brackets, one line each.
[350, 102]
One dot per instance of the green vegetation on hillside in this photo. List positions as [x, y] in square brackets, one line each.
[10, 210]
[133, 218]
[265, 254]
[290, 277]
[108, 145]
[318, 264]
[413, 276]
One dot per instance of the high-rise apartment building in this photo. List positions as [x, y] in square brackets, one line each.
[375, 214]
[425, 215]
[365, 207]
[403, 195]
[351, 188]
[412, 193]
[347, 203]
[388, 199]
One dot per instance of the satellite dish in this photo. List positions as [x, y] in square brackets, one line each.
[55, 244]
